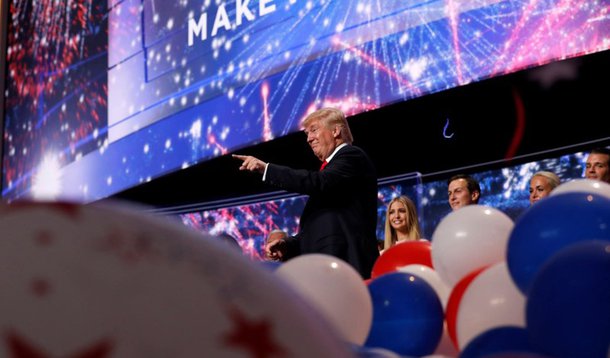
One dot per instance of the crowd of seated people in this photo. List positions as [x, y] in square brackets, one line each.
[402, 222]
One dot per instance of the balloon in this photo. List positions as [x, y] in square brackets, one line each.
[513, 354]
[403, 254]
[568, 308]
[584, 186]
[469, 238]
[499, 340]
[453, 304]
[549, 226]
[270, 265]
[407, 315]
[491, 300]
[445, 348]
[110, 281]
[366, 352]
[431, 277]
[336, 289]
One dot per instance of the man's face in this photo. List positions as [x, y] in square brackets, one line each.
[321, 139]
[597, 167]
[459, 195]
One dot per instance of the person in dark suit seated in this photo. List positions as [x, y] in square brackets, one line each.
[340, 216]
[463, 190]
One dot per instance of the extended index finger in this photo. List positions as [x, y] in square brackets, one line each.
[240, 157]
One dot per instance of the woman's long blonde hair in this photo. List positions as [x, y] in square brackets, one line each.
[412, 223]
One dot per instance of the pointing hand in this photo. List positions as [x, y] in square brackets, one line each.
[250, 163]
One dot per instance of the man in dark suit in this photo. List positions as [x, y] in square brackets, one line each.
[340, 216]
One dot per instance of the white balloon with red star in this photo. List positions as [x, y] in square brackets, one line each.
[108, 281]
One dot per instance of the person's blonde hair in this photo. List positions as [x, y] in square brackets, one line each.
[412, 223]
[331, 117]
[550, 176]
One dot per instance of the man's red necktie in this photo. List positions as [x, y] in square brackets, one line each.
[324, 164]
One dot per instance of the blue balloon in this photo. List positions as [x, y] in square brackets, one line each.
[366, 352]
[550, 225]
[407, 315]
[505, 339]
[568, 308]
[271, 265]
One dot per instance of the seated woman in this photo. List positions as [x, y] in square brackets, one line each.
[401, 222]
[541, 185]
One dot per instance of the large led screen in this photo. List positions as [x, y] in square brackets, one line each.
[103, 96]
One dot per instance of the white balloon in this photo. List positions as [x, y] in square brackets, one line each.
[445, 347]
[583, 186]
[491, 300]
[432, 278]
[469, 238]
[109, 279]
[336, 289]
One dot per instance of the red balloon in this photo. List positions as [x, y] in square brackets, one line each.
[403, 254]
[455, 297]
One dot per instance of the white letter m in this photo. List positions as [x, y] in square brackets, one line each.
[198, 28]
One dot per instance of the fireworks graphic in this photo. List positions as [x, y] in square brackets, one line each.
[105, 96]
[56, 96]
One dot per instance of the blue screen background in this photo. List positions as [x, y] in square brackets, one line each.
[111, 96]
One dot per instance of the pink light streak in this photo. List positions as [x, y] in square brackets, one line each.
[545, 38]
[377, 65]
[515, 34]
[453, 21]
[267, 135]
[212, 140]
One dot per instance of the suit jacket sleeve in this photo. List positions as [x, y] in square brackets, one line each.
[347, 164]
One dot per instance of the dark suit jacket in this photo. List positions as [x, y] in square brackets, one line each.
[340, 216]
